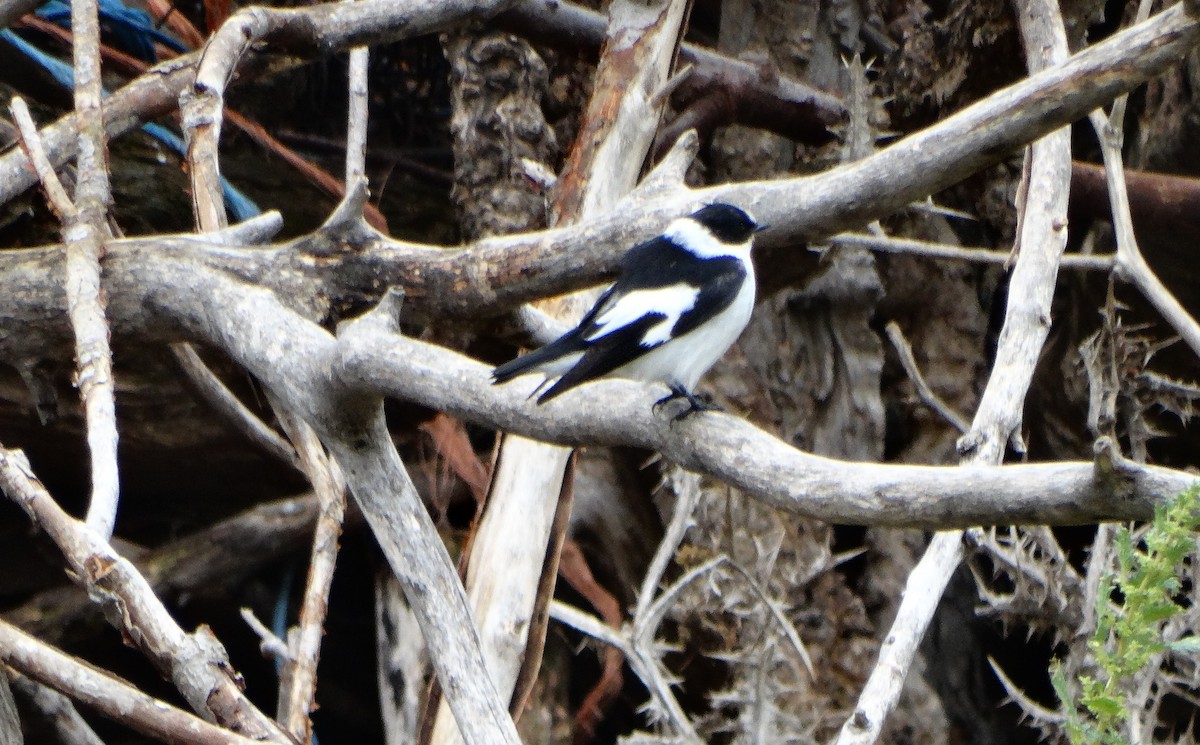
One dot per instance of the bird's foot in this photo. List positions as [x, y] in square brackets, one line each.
[677, 391]
[695, 403]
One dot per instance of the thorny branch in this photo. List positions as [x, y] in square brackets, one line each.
[1042, 239]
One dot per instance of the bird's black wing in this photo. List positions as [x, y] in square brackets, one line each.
[717, 291]
[658, 262]
[605, 354]
[572, 342]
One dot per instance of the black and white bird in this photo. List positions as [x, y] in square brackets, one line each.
[682, 298]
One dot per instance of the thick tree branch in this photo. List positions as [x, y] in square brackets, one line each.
[293, 358]
[496, 275]
[619, 413]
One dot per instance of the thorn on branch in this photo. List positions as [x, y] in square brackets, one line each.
[1112, 468]
[347, 222]
[384, 318]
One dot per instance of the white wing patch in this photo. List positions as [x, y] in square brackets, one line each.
[696, 238]
[672, 301]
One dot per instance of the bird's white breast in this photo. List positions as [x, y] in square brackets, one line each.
[685, 359]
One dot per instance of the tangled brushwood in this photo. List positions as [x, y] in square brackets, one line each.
[259, 263]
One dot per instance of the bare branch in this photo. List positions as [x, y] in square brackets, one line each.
[619, 413]
[1131, 265]
[295, 360]
[922, 593]
[31, 144]
[111, 696]
[356, 128]
[1042, 239]
[912, 247]
[84, 232]
[57, 709]
[270, 645]
[297, 699]
[931, 399]
[196, 663]
[212, 390]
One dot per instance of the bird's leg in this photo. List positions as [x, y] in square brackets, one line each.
[695, 403]
[677, 391]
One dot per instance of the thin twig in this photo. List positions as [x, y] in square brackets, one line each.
[213, 390]
[644, 665]
[326, 478]
[1131, 264]
[356, 129]
[931, 399]
[270, 645]
[789, 630]
[686, 487]
[84, 232]
[932, 250]
[590, 625]
[31, 143]
[651, 606]
[1030, 707]
[109, 695]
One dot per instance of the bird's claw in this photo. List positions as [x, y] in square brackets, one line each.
[695, 403]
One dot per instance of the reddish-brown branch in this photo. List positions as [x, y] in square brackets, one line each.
[719, 90]
[450, 438]
[315, 174]
[1163, 205]
[573, 568]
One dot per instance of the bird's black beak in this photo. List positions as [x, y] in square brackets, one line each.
[761, 228]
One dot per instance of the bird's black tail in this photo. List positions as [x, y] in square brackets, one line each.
[534, 360]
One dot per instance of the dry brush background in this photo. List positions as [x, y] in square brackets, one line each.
[259, 436]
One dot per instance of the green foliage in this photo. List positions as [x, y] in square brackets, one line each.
[1128, 635]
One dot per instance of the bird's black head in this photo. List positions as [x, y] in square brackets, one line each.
[728, 223]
